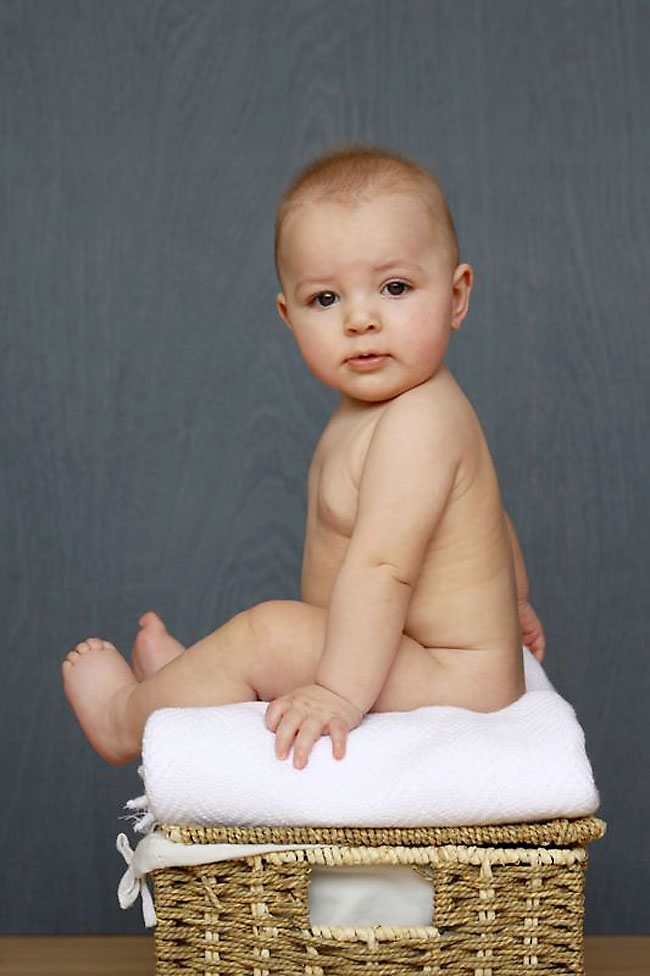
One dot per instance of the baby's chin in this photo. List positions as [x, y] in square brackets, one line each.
[381, 393]
[369, 400]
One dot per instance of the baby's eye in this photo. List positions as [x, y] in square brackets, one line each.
[323, 295]
[397, 285]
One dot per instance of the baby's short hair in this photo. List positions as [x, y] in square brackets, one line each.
[354, 172]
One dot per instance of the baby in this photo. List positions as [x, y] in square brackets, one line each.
[414, 591]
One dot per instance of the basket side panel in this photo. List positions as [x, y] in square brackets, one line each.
[525, 917]
[239, 916]
[251, 916]
[180, 931]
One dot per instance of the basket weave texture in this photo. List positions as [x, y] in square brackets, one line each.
[506, 900]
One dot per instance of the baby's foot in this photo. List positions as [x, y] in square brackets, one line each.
[154, 646]
[97, 682]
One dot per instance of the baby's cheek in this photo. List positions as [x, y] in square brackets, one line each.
[429, 344]
[318, 357]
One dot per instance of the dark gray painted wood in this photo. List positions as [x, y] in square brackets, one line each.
[157, 423]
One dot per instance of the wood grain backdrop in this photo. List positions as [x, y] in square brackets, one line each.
[157, 422]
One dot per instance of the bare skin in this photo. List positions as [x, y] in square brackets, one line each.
[154, 646]
[284, 639]
[410, 578]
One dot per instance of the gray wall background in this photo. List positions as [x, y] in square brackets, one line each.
[157, 423]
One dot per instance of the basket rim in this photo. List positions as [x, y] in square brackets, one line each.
[559, 832]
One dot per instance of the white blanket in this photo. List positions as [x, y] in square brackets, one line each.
[437, 766]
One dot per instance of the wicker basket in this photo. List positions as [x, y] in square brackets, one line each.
[508, 900]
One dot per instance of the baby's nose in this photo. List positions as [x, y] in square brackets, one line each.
[362, 320]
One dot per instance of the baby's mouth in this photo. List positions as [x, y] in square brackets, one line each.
[366, 360]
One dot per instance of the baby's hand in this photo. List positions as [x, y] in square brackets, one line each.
[532, 631]
[304, 715]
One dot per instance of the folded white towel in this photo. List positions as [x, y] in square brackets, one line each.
[438, 766]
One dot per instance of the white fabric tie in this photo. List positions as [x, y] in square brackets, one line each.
[131, 886]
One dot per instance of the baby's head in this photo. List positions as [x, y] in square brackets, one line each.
[369, 233]
[354, 174]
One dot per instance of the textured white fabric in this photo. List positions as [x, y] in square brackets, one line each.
[438, 766]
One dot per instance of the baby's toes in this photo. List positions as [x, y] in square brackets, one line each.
[72, 657]
[90, 644]
[94, 644]
[83, 646]
[150, 619]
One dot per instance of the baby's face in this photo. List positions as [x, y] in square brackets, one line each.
[374, 278]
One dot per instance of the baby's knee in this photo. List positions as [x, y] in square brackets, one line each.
[284, 644]
[267, 625]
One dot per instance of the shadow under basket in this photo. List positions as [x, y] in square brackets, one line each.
[507, 900]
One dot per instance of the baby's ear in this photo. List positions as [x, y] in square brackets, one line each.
[462, 286]
[281, 305]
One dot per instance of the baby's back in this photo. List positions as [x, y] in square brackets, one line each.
[463, 605]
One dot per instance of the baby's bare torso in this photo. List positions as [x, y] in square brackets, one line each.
[463, 608]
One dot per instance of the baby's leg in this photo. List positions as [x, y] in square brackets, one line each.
[262, 653]
[154, 646]
[112, 706]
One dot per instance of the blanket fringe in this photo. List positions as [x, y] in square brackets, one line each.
[143, 820]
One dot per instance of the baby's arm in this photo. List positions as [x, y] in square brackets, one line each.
[531, 628]
[406, 481]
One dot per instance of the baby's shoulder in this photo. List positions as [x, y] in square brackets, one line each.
[437, 409]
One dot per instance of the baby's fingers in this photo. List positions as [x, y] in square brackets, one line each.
[310, 730]
[538, 647]
[286, 731]
[274, 712]
[338, 735]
